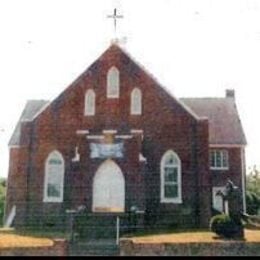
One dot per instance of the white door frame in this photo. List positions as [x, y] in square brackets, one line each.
[108, 192]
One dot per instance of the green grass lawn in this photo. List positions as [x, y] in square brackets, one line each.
[154, 231]
[35, 233]
[192, 236]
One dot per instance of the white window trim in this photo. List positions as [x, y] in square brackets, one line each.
[92, 110]
[177, 200]
[118, 90]
[82, 132]
[123, 136]
[109, 131]
[95, 137]
[46, 198]
[136, 93]
[136, 131]
[221, 168]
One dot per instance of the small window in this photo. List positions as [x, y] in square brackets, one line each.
[171, 178]
[219, 160]
[54, 177]
[136, 102]
[113, 83]
[90, 102]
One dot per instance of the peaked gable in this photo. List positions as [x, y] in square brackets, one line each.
[115, 53]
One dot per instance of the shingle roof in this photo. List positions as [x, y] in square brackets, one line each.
[32, 107]
[224, 122]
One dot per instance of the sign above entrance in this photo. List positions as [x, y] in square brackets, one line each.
[106, 150]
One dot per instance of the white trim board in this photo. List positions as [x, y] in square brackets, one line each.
[123, 136]
[41, 110]
[95, 137]
[109, 131]
[82, 132]
[226, 145]
[12, 146]
[136, 131]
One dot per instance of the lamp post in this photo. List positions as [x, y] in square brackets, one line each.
[71, 213]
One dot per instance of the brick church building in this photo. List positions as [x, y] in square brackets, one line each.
[116, 140]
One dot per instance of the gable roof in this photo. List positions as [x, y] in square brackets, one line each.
[32, 107]
[151, 76]
[224, 123]
[115, 47]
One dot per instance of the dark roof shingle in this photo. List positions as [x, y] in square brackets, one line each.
[224, 123]
[32, 107]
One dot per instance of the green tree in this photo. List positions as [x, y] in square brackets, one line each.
[2, 199]
[253, 191]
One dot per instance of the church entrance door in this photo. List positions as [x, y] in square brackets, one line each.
[108, 188]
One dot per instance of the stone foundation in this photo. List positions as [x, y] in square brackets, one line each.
[227, 248]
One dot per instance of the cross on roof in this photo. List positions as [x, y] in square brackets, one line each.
[115, 16]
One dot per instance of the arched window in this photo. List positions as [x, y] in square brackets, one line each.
[54, 178]
[113, 83]
[171, 178]
[136, 102]
[90, 102]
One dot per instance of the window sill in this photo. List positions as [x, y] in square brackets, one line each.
[219, 168]
[50, 200]
[113, 96]
[173, 201]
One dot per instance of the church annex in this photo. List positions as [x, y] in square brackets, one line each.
[115, 140]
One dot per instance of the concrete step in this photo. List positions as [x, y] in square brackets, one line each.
[98, 248]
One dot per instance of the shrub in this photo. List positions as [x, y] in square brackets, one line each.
[252, 203]
[223, 226]
[2, 199]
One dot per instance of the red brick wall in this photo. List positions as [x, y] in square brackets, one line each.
[166, 125]
[19, 164]
[234, 172]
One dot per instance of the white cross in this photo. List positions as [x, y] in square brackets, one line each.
[115, 16]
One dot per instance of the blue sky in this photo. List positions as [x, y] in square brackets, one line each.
[194, 48]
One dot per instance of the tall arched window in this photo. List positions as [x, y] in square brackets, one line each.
[136, 102]
[171, 178]
[54, 178]
[113, 83]
[90, 102]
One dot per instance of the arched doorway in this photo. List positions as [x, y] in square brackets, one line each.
[108, 188]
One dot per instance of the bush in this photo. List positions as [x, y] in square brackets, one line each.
[223, 226]
[252, 203]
